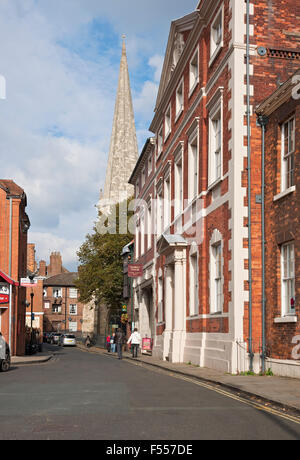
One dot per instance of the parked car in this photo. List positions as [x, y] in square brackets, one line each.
[55, 337]
[67, 340]
[4, 355]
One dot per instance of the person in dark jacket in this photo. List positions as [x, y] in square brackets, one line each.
[119, 337]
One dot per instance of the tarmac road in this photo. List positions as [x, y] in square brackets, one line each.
[80, 395]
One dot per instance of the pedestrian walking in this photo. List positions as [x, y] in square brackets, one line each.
[135, 339]
[119, 342]
[108, 343]
[113, 343]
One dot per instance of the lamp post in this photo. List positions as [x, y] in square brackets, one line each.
[31, 317]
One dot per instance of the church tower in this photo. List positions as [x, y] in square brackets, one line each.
[123, 153]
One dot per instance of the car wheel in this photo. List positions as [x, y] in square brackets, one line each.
[5, 365]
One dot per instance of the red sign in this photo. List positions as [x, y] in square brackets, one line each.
[4, 298]
[135, 270]
[147, 344]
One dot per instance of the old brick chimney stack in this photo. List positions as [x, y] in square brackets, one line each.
[31, 262]
[55, 267]
[42, 268]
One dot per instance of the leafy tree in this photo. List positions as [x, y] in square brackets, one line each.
[100, 275]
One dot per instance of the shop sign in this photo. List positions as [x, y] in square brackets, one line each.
[135, 270]
[4, 293]
[27, 282]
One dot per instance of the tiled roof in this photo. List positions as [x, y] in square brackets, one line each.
[64, 280]
[11, 187]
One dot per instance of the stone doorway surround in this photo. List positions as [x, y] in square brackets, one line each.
[173, 247]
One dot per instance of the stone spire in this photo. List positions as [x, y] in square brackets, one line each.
[123, 153]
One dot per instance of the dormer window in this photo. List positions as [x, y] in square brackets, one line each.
[194, 71]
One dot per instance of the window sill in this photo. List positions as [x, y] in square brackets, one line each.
[284, 193]
[215, 53]
[286, 319]
[166, 136]
[215, 184]
[178, 114]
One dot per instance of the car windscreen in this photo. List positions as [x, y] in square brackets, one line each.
[70, 336]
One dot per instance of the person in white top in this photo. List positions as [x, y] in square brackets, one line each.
[135, 340]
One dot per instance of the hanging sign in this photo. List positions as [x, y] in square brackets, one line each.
[135, 270]
[27, 282]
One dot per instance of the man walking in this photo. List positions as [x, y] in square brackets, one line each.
[135, 340]
[119, 342]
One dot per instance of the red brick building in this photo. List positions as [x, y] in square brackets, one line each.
[201, 294]
[55, 300]
[281, 112]
[62, 311]
[14, 225]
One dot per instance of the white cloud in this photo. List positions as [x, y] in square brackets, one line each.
[60, 60]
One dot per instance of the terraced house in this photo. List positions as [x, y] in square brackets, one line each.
[198, 182]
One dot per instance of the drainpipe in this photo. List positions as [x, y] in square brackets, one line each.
[262, 122]
[10, 271]
[249, 186]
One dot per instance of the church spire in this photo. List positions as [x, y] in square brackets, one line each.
[123, 152]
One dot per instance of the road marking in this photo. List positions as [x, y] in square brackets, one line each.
[211, 387]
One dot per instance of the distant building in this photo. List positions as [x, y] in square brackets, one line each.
[62, 310]
[14, 225]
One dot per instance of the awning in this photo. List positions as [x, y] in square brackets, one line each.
[7, 279]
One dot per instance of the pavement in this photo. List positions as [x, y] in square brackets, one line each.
[280, 392]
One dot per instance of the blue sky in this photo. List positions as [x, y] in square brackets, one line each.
[60, 59]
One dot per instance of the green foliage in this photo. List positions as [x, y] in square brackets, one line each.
[101, 266]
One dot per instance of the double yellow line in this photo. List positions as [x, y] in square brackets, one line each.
[211, 387]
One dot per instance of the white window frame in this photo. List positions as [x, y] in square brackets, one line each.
[179, 99]
[217, 35]
[160, 141]
[75, 309]
[56, 309]
[167, 202]
[193, 166]
[58, 294]
[288, 279]
[288, 158]
[194, 71]
[159, 213]
[142, 228]
[215, 169]
[216, 273]
[73, 293]
[149, 225]
[150, 165]
[137, 242]
[168, 122]
[143, 177]
[160, 300]
[194, 282]
[178, 186]
[73, 326]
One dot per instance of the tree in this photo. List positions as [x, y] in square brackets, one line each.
[100, 275]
